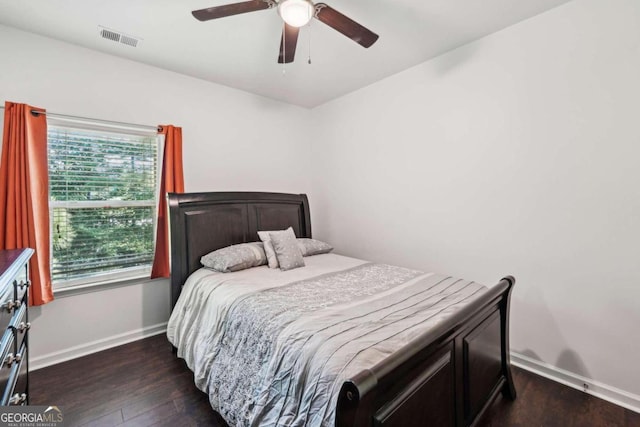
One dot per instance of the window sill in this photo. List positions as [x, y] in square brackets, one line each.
[86, 288]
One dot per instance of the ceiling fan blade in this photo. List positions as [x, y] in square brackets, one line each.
[345, 25]
[289, 39]
[231, 9]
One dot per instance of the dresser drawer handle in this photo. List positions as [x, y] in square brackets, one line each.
[22, 283]
[10, 305]
[11, 359]
[23, 326]
[18, 399]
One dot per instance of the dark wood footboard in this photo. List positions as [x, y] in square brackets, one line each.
[447, 377]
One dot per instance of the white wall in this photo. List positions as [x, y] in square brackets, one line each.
[516, 154]
[232, 141]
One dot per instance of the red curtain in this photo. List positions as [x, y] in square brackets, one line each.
[24, 193]
[172, 181]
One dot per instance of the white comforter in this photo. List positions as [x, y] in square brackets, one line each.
[273, 348]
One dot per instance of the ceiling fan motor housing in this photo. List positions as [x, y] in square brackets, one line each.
[296, 13]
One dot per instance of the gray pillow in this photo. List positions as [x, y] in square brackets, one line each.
[235, 257]
[268, 247]
[286, 249]
[310, 247]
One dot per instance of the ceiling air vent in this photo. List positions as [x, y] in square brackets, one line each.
[131, 41]
[119, 37]
[111, 35]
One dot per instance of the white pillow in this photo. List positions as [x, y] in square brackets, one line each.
[286, 249]
[310, 247]
[235, 257]
[272, 259]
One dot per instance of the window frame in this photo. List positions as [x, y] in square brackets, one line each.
[122, 275]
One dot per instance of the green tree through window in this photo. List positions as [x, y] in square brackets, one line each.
[103, 202]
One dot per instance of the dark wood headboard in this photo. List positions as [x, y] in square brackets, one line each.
[203, 222]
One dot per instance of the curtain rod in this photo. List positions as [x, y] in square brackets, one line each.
[105, 122]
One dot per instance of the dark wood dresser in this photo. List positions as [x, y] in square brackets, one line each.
[14, 324]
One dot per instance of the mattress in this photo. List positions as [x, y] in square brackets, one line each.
[272, 348]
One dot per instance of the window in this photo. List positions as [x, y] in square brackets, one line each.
[103, 198]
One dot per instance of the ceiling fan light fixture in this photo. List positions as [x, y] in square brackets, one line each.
[296, 13]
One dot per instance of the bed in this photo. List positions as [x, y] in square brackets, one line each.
[445, 372]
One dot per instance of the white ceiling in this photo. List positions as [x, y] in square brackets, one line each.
[241, 51]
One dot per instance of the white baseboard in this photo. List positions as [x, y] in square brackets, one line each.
[603, 391]
[95, 346]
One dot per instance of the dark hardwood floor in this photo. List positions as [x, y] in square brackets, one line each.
[144, 384]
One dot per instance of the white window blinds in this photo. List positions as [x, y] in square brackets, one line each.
[102, 187]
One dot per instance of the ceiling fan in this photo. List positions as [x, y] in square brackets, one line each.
[295, 13]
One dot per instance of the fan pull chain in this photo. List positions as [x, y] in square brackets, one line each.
[309, 60]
